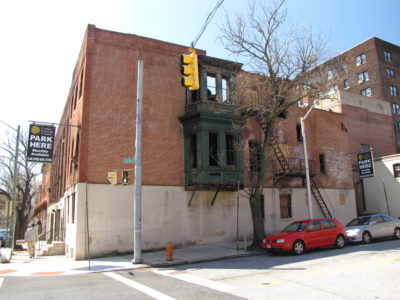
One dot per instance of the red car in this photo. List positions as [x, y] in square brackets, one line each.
[306, 234]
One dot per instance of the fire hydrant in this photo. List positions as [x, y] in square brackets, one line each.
[170, 251]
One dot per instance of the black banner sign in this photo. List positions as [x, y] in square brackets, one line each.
[40, 143]
[365, 164]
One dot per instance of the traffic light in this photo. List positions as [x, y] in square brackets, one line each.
[112, 177]
[190, 70]
[125, 179]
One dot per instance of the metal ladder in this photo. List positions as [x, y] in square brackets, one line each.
[320, 200]
[279, 156]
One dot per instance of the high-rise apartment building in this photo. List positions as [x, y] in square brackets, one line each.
[370, 69]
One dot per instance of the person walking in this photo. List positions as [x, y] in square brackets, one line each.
[30, 238]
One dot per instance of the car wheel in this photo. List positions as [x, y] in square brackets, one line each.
[366, 237]
[396, 235]
[298, 247]
[340, 241]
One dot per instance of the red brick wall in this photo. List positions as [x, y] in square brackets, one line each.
[110, 107]
[369, 128]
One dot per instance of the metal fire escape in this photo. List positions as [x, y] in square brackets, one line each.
[296, 169]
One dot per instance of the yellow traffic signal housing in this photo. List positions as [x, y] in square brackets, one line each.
[190, 70]
[112, 177]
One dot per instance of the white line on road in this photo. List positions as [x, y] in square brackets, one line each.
[1, 281]
[140, 287]
[222, 287]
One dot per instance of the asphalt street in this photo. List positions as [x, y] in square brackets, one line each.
[355, 272]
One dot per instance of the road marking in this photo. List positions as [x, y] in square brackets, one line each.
[1, 281]
[140, 287]
[222, 287]
[7, 271]
[334, 270]
[47, 273]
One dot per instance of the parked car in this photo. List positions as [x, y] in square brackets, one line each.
[306, 234]
[366, 228]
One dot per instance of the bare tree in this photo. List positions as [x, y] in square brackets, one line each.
[285, 69]
[26, 180]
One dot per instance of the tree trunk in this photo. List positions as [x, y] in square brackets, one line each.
[255, 199]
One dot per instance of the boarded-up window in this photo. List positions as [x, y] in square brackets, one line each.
[285, 206]
[342, 199]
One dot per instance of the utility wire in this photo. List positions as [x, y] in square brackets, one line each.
[208, 20]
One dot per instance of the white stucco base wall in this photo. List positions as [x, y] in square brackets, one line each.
[382, 192]
[341, 203]
[166, 216]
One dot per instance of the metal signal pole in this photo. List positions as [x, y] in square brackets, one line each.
[137, 218]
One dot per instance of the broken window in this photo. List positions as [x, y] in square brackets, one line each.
[230, 150]
[213, 148]
[211, 87]
[322, 164]
[193, 151]
[224, 89]
[299, 133]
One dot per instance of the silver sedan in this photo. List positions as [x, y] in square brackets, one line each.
[365, 228]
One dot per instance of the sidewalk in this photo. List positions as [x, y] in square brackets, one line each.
[22, 265]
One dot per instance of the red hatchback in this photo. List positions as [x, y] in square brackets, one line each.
[306, 234]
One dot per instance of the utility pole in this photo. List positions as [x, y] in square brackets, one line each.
[15, 181]
[303, 132]
[137, 218]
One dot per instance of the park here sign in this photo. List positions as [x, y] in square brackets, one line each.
[40, 143]
[365, 164]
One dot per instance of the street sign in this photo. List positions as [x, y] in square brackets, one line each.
[40, 143]
[365, 164]
[112, 177]
[128, 160]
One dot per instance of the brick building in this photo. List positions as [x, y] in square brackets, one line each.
[194, 158]
[370, 69]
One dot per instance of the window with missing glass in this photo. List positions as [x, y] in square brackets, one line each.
[230, 149]
[193, 151]
[211, 87]
[346, 84]
[213, 149]
[322, 164]
[225, 89]
[299, 133]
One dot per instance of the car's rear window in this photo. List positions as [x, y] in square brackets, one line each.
[360, 221]
[328, 224]
[295, 226]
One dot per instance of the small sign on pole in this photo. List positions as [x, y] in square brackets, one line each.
[365, 164]
[40, 143]
[128, 160]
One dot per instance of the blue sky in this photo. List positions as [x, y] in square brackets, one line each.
[41, 39]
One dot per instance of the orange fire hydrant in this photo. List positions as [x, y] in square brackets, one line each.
[170, 251]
